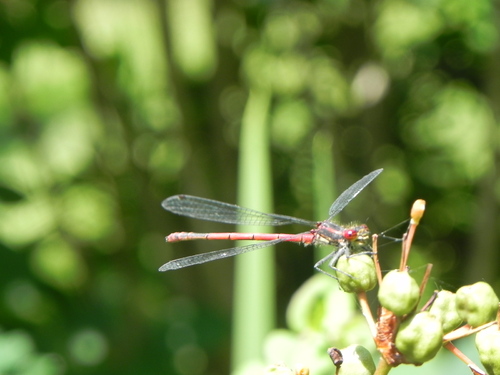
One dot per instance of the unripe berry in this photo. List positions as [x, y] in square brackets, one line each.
[444, 308]
[477, 304]
[419, 338]
[488, 346]
[399, 292]
[357, 273]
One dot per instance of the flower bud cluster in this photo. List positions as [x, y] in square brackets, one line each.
[478, 304]
[420, 335]
[405, 335]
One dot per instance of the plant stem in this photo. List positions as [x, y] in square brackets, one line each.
[254, 289]
[383, 367]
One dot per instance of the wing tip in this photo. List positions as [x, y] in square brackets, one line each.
[166, 202]
[164, 268]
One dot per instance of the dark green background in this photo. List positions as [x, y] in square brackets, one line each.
[109, 106]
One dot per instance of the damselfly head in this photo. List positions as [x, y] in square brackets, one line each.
[359, 232]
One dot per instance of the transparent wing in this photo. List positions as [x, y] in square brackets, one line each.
[214, 255]
[350, 193]
[212, 210]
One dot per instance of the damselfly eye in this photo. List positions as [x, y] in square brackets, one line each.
[350, 234]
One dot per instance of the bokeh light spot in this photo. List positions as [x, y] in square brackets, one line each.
[58, 264]
[88, 347]
[190, 360]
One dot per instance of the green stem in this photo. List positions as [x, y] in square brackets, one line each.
[383, 367]
[254, 289]
[324, 188]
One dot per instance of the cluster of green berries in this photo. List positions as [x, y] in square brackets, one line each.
[418, 335]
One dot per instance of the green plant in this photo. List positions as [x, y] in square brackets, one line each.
[403, 333]
[18, 356]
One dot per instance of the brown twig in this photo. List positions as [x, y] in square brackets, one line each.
[367, 312]
[375, 258]
[465, 331]
[452, 348]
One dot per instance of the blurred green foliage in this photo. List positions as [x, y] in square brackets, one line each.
[109, 106]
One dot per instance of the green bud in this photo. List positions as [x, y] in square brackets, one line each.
[477, 304]
[444, 308]
[356, 361]
[488, 346]
[357, 273]
[399, 292]
[419, 338]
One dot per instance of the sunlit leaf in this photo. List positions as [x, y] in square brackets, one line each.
[27, 221]
[18, 356]
[49, 78]
[291, 122]
[20, 168]
[458, 130]
[87, 212]
[402, 25]
[328, 85]
[72, 155]
[59, 264]
[15, 348]
[193, 40]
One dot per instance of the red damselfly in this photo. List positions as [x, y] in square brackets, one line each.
[347, 240]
